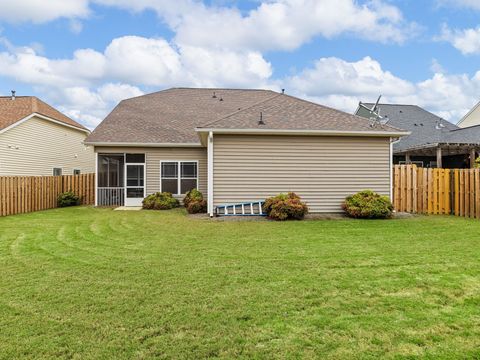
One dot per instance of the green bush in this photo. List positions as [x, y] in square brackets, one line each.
[160, 201]
[192, 195]
[68, 198]
[285, 207]
[368, 205]
[197, 206]
[194, 202]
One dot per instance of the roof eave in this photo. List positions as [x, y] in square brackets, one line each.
[21, 121]
[304, 132]
[140, 144]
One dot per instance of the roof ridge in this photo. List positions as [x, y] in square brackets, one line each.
[244, 109]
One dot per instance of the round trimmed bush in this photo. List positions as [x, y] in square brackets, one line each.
[194, 202]
[285, 207]
[160, 201]
[196, 207]
[368, 205]
[192, 195]
[68, 198]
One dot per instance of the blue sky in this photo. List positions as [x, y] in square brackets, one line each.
[83, 56]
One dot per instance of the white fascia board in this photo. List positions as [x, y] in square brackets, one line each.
[125, 144]
[304, 132]
[21, 121]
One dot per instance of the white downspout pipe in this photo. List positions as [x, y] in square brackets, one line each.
[210, 173]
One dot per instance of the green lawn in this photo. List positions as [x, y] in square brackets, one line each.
[94, 283]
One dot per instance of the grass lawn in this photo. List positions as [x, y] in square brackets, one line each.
[94, 283]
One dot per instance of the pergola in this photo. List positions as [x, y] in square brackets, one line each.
[442, 149]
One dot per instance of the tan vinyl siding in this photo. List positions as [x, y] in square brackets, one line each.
[36, 146]
[322, 170]
[155, 155]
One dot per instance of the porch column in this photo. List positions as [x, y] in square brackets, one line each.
[439, 157]
[473, 157]
[210, 174]
[407, 158]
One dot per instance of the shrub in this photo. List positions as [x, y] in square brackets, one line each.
[194, 202]
[68, 198]
[368, 205]
[285, 206]
[197, 206]
[160, 201]
[192, 195]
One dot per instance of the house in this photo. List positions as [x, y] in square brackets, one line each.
[36, 139]
[472, 118]
[433, 141]
[237, 146]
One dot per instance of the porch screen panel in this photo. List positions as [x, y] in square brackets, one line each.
[110, 170]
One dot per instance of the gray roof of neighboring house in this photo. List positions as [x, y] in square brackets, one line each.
[171, 116]
[425, 127]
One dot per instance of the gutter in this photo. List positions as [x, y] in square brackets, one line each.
[133, 144]
[304, 132]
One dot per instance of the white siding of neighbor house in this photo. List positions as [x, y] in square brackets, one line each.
[322, 170]
[36, 146]
[153, 156]
[471, 119]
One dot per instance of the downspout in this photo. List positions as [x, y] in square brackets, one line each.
[210, 173]
[96, 177]
[392, 141]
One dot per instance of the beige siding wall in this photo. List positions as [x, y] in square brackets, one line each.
[36, 146]
[155, 155]
[472, 119]
[322, 170]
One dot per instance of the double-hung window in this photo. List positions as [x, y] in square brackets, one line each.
[179, 177]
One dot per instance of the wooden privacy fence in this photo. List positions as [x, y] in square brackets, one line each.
[437, 191]
[23, 194]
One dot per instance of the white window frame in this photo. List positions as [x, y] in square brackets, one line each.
[79, 171]
[179, 175]
[57, 167]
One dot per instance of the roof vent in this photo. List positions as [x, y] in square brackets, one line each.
[401, 112]
[214, 95]
[13, 94]
[221, 99]
[283, 91]
[261, 122]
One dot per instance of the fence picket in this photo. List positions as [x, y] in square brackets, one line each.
[23, 194]
[437, 191]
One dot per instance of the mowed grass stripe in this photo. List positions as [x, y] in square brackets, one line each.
[95, 283]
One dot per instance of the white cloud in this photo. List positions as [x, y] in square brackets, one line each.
[343, 84]
[466, 40]
[273, 25]
[40, 11]
[89, 106]
[95, 81]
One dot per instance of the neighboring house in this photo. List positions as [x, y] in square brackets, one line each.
[472, 118]
[238, 146]
[36, 139]
[433, 142]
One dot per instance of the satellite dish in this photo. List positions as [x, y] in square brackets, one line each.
[375, 113]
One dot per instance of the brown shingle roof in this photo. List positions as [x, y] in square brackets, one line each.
[171, 116]
[12, 111]
[284, 112]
